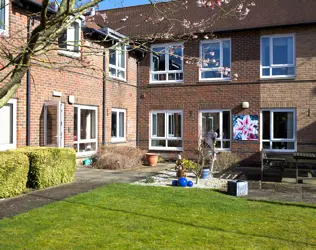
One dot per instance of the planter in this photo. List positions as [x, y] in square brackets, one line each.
[152, 159]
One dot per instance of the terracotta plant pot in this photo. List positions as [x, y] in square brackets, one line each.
[152, 159]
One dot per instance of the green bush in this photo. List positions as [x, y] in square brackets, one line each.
[50, 166]
[14, 167]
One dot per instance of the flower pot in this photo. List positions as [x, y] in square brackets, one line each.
[152, 159]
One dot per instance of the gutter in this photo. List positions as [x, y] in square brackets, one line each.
[28, 89]
[104, 100]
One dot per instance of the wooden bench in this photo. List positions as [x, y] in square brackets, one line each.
[271, 163]
[304, 156]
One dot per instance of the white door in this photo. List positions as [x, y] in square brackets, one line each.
[54, 124]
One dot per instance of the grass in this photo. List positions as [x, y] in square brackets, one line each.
[122, 216]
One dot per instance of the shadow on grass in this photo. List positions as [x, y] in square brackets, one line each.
[181, 222]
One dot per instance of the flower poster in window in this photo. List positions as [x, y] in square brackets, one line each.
[245, 127]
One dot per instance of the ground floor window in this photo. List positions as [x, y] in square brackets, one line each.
[166, 130]
[85, 129]
[8, 125]
[218, 121]
[118, 127]
[278, 130]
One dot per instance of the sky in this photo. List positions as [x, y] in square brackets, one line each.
[110, 4]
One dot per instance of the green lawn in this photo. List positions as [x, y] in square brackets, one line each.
[123, 216]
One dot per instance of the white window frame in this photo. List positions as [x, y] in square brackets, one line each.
[222, 78]
[117, 138]
[166, 137]
[220, 111]
[5, 31]
[166, 71]
[69, 51]
[79, 107]
[272, 139]
[273, 66]
[118, 51]
[13, 144]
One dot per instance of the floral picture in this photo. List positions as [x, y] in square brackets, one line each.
[245, 127]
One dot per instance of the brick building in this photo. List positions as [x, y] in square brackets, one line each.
[271, 50]
[74, 106]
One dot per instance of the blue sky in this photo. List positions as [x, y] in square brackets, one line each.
[110, 4]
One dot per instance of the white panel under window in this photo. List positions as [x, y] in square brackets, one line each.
[166, 130]
[4, 17]
[8, 125]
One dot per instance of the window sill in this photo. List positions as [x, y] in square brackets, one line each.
[118, 140]
[277, 78]
[166, 82]
[86, 154]
[215, 80]
[112, 78]
[165, 149]
[70, 54]
[4, 33]
[5, 147]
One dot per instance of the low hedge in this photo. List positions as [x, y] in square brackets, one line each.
[50, 166]
[14, 168]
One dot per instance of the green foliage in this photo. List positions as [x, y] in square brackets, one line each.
[188, 164]
[14, 167]
[50, 166]
[123, 216]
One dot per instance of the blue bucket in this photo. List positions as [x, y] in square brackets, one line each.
[205, 173]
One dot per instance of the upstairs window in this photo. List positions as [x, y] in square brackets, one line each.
[277, 56]
[4, 16]
[69, 41]
[118, 63]
[215, 60]
[167, 63]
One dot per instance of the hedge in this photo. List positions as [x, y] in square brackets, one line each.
[50, 166]
[14, 168]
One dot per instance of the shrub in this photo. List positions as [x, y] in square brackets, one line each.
[119, 157]
[14, 167]
[50, 166]
[225, 160]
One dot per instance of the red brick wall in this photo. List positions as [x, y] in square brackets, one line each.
[192, 95]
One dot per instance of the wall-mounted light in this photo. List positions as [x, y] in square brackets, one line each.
[71, 99]
[245, 105]
[57, 93]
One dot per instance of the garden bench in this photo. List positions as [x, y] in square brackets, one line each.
[304, 156]
[271, 163]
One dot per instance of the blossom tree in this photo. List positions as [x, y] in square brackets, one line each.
[18, 53]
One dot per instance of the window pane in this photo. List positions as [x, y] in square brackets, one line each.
[76, 124]
[159, 77]
[174, 125]
[122, 54]
[210, 55]
[158, 143]
[210, 123]
[266, 72]
[62, 41]
[86, 147]
[226, 53]
[87, 124]
[113, 72]
[120, 74]
[226, 144]
[154, 125]
[6, 124]
[76, 36]
[112, 57]
[283, 50]
[179, 76]
[283, 145]
[266, 145]
[175, 143]
[211, 74]
[122, 124]
[159, 59]
[283, 125]
[161, 125]
[266, 125]
[2, 14]
[226, 125]
[114, 124]
[283, 71]
[171, 77]
[175, 58]
[265, 52]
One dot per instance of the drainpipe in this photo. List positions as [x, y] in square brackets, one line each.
[28, 90]
[104, 100]
[138, 103]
